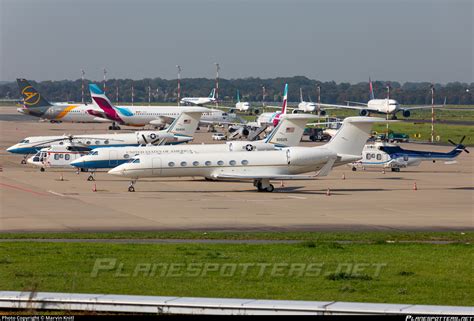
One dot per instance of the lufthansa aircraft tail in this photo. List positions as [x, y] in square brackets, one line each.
[32, 99]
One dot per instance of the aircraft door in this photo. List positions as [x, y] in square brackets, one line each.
[113, 158]
[156, 166]
[288, 156]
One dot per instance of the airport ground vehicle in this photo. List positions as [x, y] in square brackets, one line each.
[316, 134]
[394, 137]
[219, 136]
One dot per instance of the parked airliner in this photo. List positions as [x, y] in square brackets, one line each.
[260, 166]
[35, 104]
[382, 106]
[200, 101]
[157, 116]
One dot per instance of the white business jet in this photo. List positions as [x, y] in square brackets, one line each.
[260, 166]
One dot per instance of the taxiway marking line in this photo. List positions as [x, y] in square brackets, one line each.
[23, 189]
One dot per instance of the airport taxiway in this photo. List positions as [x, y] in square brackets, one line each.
[366, 200]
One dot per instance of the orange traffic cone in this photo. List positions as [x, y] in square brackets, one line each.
[415, 188]
[94, 189]
[328, 192]
[61, 178]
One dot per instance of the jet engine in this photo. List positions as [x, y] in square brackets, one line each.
[364, 112]
[406, 113]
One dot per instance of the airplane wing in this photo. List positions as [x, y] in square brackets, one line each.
[324, 171]
[276, 177]
[356, 103]
[423, 107]
[329, 106]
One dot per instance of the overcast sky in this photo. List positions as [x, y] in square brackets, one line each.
[341, 40]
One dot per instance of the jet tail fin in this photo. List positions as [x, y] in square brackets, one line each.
[102, 101]
[31, 97]
[285, 100]
[371, 90]
[238, 96]
[353, 134]
[186, 123]
[289, 130]
[213, 93]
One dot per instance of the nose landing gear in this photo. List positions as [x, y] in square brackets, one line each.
[131, 187]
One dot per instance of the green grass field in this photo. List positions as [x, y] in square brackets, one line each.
[317, 268]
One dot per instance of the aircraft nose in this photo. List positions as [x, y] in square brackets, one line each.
[76, 162]
[12, 149]
[118, 171]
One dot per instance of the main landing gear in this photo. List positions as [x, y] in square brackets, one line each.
[131, 187]
[263, 185]
[114, 127]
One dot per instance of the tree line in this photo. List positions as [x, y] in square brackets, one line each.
[251, 89]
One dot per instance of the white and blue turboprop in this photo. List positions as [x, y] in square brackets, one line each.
[287, 133]
[260, 166]
[180, 131]
[386, 155]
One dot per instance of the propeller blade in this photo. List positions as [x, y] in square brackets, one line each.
[449, 140]
[462, 139]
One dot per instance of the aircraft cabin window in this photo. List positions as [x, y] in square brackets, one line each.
[67, 157]
[184, 164]
[232, 162]
[171, 164]
[379, 156]
[97, 142]
[61, 143]
[88, 142]
[126, 156]
[244, 162]
[196, 163]
[208, 163]
[106, 142]
[56, 156]
[367, 156]
[220, 163]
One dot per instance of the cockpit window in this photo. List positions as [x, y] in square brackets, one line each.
[24, 141]
[136, 161]
[94, 152]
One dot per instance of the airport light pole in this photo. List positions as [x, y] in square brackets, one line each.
[82, 78]
[263, 96]
[179, 84]
[149, 96]
[116, 93]
[432, 113]
[388, 98]
[318, 87]
[105, 78]
[217, 84]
